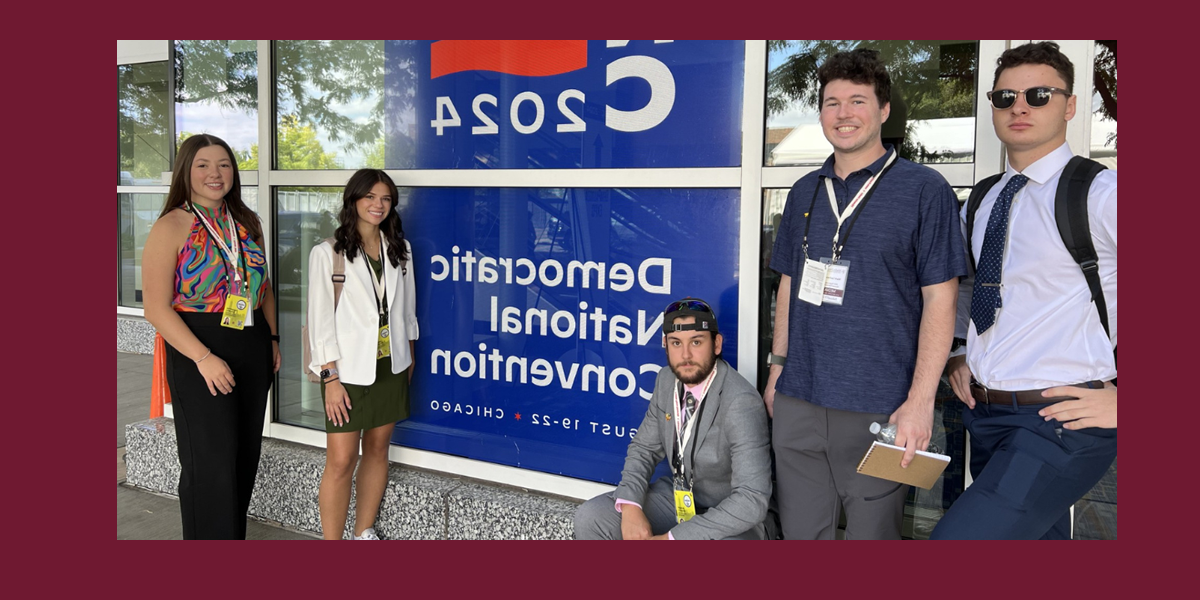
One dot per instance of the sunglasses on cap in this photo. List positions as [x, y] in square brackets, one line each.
[688, 304]
[1035, 97]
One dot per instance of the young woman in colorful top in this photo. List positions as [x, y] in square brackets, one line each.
[207, 293]
[362, 349]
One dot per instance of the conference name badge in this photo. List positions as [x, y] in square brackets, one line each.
[237, 310]
[385, 342]
[685, 505]
[812, 282]
[835, 281]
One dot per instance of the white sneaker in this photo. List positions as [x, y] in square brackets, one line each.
[367, 534]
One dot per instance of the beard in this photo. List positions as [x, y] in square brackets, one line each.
[705, 367]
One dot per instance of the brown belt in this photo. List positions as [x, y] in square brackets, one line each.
[988, 396]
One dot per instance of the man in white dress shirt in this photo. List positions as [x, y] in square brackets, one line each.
[1038, 366]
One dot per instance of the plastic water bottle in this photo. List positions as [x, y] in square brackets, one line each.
[886, 434]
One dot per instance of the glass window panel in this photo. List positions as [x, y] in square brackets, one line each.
[303, 217]
[933, 99]
[216, 92]
[1096, 512]
[143, 144]
[136, 213]
[1104, 104]
[250, 197]
[353, 104]
[962, 193]
[329, 104]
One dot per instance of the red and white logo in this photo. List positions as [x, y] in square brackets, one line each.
[546, 58]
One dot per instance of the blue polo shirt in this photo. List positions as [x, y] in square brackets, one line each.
[860, 356]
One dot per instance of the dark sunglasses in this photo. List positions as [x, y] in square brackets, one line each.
[688, 304]
[1035, 97]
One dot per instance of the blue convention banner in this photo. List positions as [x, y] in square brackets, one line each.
[540, 314]
[563, 104]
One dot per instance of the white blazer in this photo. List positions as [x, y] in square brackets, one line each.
[349, 338]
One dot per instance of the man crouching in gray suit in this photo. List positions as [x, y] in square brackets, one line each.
[711, 425]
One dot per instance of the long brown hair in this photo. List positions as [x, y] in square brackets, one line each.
[181, 184]
[346, 238]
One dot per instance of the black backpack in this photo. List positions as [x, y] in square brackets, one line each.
[1070, 212]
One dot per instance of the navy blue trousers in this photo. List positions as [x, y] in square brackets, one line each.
[1027, 472]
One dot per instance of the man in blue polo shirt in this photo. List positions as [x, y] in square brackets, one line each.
[869, 253]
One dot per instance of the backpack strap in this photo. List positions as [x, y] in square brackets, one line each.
[1071, 214]
[973, 201]
[339, 272]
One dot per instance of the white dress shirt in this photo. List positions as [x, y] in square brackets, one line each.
[1047, 331]
[350, 337]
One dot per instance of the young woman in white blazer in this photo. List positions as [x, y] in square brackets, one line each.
[362, 349]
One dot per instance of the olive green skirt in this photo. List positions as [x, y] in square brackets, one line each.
[382, 402]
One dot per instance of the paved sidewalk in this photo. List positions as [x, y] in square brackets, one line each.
[143, 515]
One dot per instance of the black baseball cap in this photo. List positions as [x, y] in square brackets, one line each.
[706, 319]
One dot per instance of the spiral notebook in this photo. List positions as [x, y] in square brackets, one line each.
[883, 461]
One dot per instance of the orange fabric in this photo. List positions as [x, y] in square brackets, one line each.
[532, 58]
[160, 394]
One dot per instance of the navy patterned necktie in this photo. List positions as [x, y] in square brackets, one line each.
[689, 402]
[985, 297]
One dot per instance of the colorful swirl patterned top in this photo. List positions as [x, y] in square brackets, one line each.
[200, 283]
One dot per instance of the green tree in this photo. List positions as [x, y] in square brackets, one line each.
[218, 73]
[247, 159]
[221, 72]
[312, 78]
[143, 102]
[936, 79]
[297, 148]
[930, 80]
[1105, 80]
[374, 157]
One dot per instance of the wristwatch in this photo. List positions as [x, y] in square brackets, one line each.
[327, 373]
[775, 359]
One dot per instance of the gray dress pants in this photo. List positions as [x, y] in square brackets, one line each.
[597, 519]
[817, 451]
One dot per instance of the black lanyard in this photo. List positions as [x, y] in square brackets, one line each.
[379, 303]
[837, 250]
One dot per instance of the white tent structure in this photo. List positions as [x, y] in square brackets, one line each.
[806, 144]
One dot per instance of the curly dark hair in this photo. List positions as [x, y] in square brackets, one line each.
[860, 66]
[346, 238]
[1040, 53]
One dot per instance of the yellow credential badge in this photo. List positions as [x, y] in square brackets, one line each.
[236, 309]
[385, 342]
[685, 505]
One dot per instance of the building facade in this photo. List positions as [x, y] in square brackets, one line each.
[557, 196]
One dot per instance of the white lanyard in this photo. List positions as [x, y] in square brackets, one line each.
[232, 250]
[841, 218]
[379, 291]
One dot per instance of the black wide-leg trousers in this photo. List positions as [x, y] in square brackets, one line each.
[220, 437]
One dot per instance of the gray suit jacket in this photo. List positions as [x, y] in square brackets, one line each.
[732, 459]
